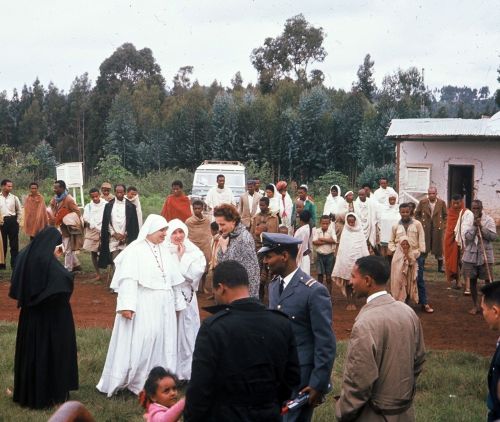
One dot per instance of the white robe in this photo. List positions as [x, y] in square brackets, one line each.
[192, 266]
[351, 247]
[216, 197]
[149, 339]
[334, 204]
[382, 195]
[304, 262]
[368, 218]
[388, 216]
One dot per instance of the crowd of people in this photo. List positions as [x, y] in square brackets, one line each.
[244, 362]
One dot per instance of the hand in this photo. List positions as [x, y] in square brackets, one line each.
[314, 396]
[477, 222]
[127, 314]
[180, 250]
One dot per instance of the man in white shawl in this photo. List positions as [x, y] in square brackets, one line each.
[92, 218]
[219, 194]
[367, 214]
[351, 247]
[192, 263]
[381, 195]
[145, 330]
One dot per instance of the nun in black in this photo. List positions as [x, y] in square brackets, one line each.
[45, 367]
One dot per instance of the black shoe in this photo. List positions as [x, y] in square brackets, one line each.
[440, 266]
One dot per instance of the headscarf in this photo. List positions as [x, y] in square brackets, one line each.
[274, 202]
[334, 204]
[281, 185]
[175, 224]
[351, 247]
[347, 193]
[38, 274]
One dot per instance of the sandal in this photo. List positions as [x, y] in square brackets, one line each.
[466, 292]
[427, 308]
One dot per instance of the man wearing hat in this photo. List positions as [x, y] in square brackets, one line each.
[106, 192]
[309, 307]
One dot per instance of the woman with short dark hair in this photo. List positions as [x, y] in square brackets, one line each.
[236, 243]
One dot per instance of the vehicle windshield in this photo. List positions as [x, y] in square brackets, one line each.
[210, 179]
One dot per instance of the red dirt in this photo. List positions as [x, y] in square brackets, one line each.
[450, 327]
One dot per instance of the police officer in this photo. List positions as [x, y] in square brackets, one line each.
[309, 307]
[245, 362]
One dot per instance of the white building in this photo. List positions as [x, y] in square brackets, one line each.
[455, 155]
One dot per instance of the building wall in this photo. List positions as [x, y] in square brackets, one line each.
[484, 156]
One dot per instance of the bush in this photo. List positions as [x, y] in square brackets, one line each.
[372, 175]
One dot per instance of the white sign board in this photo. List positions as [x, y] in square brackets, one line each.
[71, 173]
[418, 179]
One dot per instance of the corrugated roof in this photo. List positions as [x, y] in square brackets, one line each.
[445, 127]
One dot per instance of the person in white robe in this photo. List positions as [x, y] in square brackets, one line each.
[219, 194]
[381, 195]
[274, 200]
[92, 218]
[388, 215]
[133, 196]
[192, 264]
[303, 233]
[334, 204]
[145, 329]
[367, 214]
[286, 206]
[352, 246]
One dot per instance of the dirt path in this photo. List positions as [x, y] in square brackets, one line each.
[450, 327]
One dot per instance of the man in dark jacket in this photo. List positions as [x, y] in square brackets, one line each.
[120, 226]
[245, 361]
[491, 312]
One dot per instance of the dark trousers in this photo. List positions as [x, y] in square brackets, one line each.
[422, 296]
[10, 233]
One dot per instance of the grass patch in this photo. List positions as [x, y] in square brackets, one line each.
[451, 388]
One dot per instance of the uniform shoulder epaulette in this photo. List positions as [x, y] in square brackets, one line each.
[310, 282]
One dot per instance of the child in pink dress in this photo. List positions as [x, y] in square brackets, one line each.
[159, 397]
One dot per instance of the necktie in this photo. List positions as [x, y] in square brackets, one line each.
[282, 285]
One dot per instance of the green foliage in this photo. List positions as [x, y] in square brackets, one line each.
[452, 386]
[321, 185]
[263, 172]
[42, 162]
[366, 81]
[372, 175]
[299, 45]
[110, 170]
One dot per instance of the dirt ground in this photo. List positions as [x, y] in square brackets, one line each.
[450, 327]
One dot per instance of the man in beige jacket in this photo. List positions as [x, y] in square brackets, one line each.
[385, 354]
[249, 204]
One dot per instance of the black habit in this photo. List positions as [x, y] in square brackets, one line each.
[45, 366]
[131, 228]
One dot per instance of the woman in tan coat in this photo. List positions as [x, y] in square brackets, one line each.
[404, 272]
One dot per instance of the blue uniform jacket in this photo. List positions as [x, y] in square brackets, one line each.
[309, 307]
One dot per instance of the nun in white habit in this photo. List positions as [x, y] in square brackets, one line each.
[192, 264]
[145, 329]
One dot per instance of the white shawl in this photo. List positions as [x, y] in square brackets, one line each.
[334, 204]
[352, 246]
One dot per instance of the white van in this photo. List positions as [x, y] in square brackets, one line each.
[205, 177]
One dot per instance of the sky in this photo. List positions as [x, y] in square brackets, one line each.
[456, 42]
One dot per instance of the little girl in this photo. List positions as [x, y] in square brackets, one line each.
[159, 397]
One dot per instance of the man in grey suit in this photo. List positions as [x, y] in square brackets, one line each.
[309, 307]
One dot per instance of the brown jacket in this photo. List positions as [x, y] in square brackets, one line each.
[244, 208]
[434, 224]
[385, 355]
[270, 219]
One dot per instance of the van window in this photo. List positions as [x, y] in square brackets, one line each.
[210, 179]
